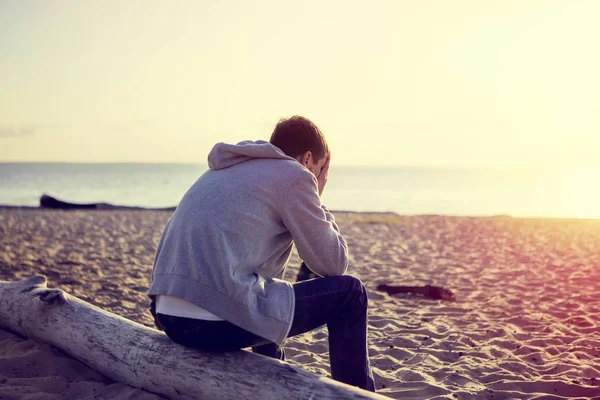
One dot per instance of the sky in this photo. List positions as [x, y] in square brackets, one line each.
[462, 83]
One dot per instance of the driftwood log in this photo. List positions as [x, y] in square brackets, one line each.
[145, 358]
[427, 291]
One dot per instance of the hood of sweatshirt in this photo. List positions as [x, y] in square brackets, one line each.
[225, 155]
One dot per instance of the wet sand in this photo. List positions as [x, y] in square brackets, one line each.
[526, 323]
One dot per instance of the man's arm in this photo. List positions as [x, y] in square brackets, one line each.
[314, 230]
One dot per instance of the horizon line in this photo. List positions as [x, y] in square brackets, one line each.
[386, 166]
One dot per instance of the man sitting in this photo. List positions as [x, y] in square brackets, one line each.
[217, 276]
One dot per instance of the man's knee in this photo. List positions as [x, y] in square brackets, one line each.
[356, 288]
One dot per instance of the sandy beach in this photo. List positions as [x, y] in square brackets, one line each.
[526, 323]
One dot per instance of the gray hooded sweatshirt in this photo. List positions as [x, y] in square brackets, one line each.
[227, 244]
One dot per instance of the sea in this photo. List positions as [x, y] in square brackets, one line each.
[517, 192]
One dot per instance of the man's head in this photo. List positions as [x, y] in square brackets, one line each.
[300, 138]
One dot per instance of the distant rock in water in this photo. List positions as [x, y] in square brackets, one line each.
[52, 202]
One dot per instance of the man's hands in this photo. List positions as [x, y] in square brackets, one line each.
[322, 178]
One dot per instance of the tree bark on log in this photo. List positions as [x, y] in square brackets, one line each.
[131, 353]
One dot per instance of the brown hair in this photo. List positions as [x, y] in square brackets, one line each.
[297, 135]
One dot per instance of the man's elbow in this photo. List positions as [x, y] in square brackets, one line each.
[343, 266]
[337, 267]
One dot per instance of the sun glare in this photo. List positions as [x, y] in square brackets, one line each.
[580, 195]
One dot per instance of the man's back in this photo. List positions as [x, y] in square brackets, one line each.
[233, 216]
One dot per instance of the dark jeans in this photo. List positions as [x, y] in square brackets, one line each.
[339, 302]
